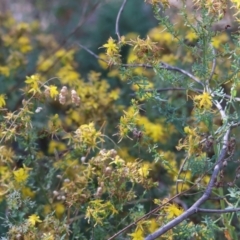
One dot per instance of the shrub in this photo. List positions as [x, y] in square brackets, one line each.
[155, 155]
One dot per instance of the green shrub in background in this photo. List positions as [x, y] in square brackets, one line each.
[147, 148]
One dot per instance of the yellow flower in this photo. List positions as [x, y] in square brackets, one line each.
[67, 57]
[206, 180]
[68, 75]
[213, 6]
[118, 161]
[237, 4]
[22, 27]
[132, 57]
[191, 143]
[190, 131]
[144, 170]
[33, 82]
[162, 36]
[44, 64]
[156, 131]
[47, 209]
[48, 236]
[9, 21]
[191, 36]
[56, 146]
[21, 174]
[126, 121]
[33, 219]
[169, 58]
[165, 3]
[137, 235]
[87, 134]
[53, 91]
[59, 209]
[153, 226]
[173, 210]
[111, 46]
[2, 100]
[4, 70]
[102, 63]
[24, 44]
[218, 40]
[203, 101]
[98, 210]
[27, 192]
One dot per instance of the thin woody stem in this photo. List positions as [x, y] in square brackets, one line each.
[118, 18]
[218, 211]
[162, 65]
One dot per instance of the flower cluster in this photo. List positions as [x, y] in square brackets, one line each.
[87, 136]
[63, 96]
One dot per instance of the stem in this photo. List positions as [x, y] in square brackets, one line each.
[226, 219]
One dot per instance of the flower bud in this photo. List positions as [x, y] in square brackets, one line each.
[64, 91]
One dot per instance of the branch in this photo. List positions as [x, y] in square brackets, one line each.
[163, 90]
[168, 89]
[214, 64]
[118, 18]
[168, 67]
[220, 109]
[123, 65]
[185, 89]
[162, 66]
[229, 97]
[92, 53]
[219, 211]
[149, 213]
[235, 125]
[194, 208]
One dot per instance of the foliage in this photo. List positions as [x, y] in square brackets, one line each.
[129, 151]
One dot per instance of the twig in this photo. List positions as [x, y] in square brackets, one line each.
[214, 64]
[229, 97]
[162, 65]
[220, 109]
[92, 53]
[179, 172]
[235, 125]
[118, 18]
[123, 65]
[149, 213]
[219, 211]
[137, 65]
[168, 67]
[184, 89]
[167, 89]
[162, 90]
